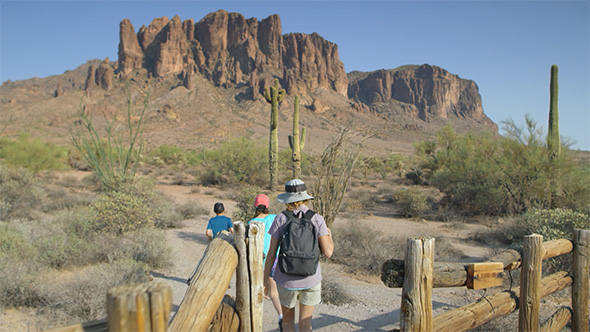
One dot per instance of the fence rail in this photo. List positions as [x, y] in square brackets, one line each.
[418, 274]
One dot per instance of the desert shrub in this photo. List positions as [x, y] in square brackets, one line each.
[169, 154]
[16, 282]
[60, 199]
[364, 249]
[470, 178]
[483, 174]
[412, 202]
[190, 210]
[130, 207]
[120, 212]
[552, 224]
[19, 192]
[33, 154]
[236, 161]
[81, 297]
[244, 210]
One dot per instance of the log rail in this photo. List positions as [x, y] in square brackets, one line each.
[526, 298]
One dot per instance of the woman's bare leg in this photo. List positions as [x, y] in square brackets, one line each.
[305, 313]
[288, 319]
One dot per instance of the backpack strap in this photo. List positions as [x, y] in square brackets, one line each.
[309, 214]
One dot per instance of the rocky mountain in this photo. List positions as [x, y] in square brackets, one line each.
[205, 83]
[433, 91]
[229, 49]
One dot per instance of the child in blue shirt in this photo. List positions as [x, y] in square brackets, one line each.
[218, 223]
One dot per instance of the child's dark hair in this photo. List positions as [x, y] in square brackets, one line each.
[260, 209]
[218, 208]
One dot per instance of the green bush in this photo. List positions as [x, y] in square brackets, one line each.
[236, 162]
[245, 203]
[552, 224]
[120, 212]
[33, 154]
[19, 192]
[480, 173]
[412, 202]
[130, 207]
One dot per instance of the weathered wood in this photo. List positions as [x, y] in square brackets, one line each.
[117, 309]
[416, 306]
[94, 326]
[484, 275]
[557, 321]
[226, 317]
[207, 288]
[160, 296]
[455, 274]
[242, 278]
[581, 270]
[530, 281]
[255, 256]
[476, 314]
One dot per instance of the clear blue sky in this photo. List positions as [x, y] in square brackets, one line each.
[506, 47]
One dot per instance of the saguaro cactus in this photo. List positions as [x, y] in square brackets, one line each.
[274, 97]
[295, 142]
[553, 141]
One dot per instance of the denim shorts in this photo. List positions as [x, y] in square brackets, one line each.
[309, 296]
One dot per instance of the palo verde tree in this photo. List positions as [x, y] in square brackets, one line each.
[274, 96]
[553, 141]
[295, 142]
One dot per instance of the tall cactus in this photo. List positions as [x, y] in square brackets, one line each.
[553, 141]
[295, 142]
[274, 97]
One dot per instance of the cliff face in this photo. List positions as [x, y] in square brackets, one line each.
[432, 90]
[229, 49]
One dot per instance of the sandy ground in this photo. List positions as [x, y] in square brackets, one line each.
[377, 306]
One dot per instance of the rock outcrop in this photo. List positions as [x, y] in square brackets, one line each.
[229, 49]
[432, 90]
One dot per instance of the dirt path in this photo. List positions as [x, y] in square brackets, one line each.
[376, 308]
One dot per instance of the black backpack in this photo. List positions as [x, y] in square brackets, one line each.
[299, 251]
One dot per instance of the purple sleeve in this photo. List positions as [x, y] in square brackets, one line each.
[320, 224]
[277, 226]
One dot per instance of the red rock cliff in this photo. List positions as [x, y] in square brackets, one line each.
[230, 49]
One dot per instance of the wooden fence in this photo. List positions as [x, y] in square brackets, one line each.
[418, 274]
[205, 306]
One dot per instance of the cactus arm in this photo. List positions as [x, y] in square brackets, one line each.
[302, 142]
[553, 140]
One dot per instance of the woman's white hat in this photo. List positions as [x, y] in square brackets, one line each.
[295, 191]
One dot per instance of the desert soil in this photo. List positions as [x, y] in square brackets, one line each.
[375, 306]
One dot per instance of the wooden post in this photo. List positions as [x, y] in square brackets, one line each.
[255, 255]
[133, 307]
[557, 321]
[226, 318]
[530, 282]
[416, 306]
[476, 314]
[581, 272]
[207, 288]
[242, 278]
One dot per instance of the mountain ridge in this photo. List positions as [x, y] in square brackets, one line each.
[211, 74]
